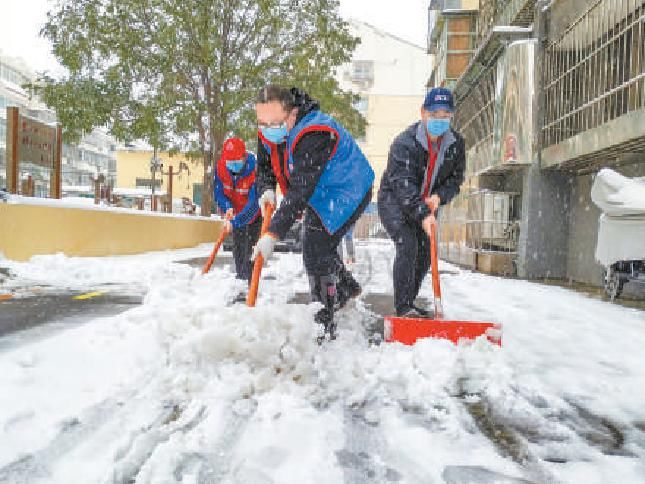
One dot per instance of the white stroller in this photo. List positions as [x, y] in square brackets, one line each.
[621, 229]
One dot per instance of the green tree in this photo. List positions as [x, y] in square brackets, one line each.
[183, 74]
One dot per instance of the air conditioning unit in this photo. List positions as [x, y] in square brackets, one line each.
[492, 223]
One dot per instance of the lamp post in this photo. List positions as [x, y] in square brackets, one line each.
[170, 173]
[155, 165]
[98, 181]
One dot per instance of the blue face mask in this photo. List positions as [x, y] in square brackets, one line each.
[235, 166]
[437, 127]
[275, 134]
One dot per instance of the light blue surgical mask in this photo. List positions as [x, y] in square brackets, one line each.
[235, 166]
[437, 127]
[275, 134]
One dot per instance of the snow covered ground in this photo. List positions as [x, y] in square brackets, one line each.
[185, 388]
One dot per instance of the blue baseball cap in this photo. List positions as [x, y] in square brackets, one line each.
[439, 98]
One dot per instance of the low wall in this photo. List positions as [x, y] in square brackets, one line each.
[31, 229]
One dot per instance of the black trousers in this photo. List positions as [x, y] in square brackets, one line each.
[320, 248]
[411, 262]
[244, 239]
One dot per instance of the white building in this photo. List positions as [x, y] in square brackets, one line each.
[390, 74]
[81, 163]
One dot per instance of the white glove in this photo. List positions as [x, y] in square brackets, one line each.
[267, 197]
[265, 246]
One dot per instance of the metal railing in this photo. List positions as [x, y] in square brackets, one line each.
[369, 226]
[492, 221]
[475, 118]
[595, 69]
[518, 13]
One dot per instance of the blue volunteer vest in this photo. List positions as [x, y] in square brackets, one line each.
[347, 176]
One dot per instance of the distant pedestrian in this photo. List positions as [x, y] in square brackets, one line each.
[425, 169]
[348, 241]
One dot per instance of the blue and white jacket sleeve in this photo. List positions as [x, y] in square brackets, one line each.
[218, 189]
[249, 212]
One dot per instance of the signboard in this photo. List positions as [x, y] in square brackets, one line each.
[32, 141]
[37, 142]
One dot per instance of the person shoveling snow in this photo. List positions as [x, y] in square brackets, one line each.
[322, 172]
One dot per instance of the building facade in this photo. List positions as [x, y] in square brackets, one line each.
[389, 74]
[94, 155]
[555, 90]
[452, 36]
[133, 173]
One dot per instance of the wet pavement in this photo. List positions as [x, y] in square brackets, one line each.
[29, 307]
[20, 313]
[222, 259]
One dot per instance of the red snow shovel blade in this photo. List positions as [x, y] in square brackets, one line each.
[409, 330]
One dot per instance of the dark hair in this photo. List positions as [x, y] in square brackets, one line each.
[276, 93]
[289, 98]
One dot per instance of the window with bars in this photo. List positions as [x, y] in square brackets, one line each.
[595, 69]
[362, 70]
[474, 118]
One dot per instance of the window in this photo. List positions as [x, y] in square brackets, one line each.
[12, 75]
[362, 70]
[362, 105]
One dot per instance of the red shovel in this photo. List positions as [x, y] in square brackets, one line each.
[409, 330]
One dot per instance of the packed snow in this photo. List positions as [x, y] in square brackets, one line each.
[189, 388]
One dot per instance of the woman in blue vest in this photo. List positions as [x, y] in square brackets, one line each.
[236, 195]
[322, 172]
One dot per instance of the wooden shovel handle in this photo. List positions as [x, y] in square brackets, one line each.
[218, 244]
[259, 260]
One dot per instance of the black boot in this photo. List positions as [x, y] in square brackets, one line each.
[348, 288]
[323, 289]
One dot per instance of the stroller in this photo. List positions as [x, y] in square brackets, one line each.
[621, 229]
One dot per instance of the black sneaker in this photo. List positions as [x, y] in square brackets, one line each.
[409, 313]
[423, 312]
[240, 298]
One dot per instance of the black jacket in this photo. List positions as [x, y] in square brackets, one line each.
[310, 157]
[399, 196]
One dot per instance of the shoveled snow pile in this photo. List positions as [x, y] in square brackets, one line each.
[188, 388]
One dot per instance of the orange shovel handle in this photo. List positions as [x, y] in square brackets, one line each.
[259, 260]
[436, 287]
[218, 244]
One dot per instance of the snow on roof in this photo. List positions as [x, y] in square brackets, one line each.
[77, 188]
[136, 192]
[15, 88]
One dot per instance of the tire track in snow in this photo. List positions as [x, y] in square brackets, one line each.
[74, 431]
[215, 466]
[505, 439]
[515, 435]
[364, 456]
[133, 456]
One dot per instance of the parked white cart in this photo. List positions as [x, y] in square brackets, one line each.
[621, 229]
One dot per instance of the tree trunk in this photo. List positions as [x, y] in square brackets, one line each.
[207, 185]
